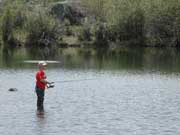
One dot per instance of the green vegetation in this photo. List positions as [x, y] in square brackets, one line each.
[145, 22]
[48, 24]
[28, 23]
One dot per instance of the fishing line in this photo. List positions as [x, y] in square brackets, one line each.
[66, 81]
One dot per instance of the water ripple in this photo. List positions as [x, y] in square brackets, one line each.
[127, 104]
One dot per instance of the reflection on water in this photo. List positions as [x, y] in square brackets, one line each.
[153, 59]
[41, 122]
[124, 97]
[43, 53]
[7, 56]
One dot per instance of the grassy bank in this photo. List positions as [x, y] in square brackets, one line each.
[43, 24]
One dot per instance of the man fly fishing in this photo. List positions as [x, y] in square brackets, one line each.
[41, 84]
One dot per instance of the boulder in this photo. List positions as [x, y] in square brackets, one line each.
[13, 89]
[64, 11]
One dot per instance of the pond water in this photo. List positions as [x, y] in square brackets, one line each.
[125, 92]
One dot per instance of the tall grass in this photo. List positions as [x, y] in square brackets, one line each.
[42, 30]
[12, 18]
[27, 23]
[151, 20]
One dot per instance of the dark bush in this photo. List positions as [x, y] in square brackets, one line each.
[43, 35]
[42, 32]
[101, 35]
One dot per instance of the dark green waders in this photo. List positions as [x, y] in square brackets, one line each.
[40, 99]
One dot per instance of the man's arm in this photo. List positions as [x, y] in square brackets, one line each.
[45, 81]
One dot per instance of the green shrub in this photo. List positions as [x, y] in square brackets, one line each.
[7, 26]
[101, 36]
[42, 31]
[42, 35]
[139, 19]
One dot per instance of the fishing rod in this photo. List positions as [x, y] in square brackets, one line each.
[37, 61]
[66, 81]
[51, 84]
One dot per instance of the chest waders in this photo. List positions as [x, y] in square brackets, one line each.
[40, 99]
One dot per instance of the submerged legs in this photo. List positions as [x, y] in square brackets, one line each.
[40, 99]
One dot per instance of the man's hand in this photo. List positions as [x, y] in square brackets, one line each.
[50, 85]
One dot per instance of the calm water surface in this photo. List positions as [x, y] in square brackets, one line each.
[126, 96]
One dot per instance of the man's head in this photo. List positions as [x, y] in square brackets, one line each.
[42, 64]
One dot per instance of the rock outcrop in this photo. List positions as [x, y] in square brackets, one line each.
[65, 11]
